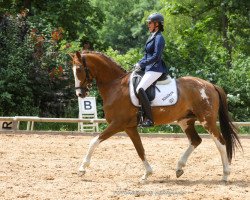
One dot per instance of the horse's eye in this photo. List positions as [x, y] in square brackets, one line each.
[78, 69]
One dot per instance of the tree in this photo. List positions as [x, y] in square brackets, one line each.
[124, 24]
[16, 96]
[78, 18]
[210, 39]
[34, 46]
[223, 21]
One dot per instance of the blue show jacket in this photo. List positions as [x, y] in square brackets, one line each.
[152, 59]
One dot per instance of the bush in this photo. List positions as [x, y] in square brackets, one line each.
[34, 74]
[16, 96]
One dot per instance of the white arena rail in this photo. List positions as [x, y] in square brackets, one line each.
[16, 120]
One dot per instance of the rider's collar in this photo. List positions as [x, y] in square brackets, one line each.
[153, 34]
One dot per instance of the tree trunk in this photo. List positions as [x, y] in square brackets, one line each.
[226, 42]
[27, 4]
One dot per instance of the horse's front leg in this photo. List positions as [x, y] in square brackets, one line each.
[135, 137]
[108, 132]
[86, 161]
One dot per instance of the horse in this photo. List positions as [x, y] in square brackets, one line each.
[198, 100]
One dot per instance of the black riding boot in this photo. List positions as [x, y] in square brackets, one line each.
[143, 98]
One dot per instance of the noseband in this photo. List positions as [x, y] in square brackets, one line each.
[87, 72]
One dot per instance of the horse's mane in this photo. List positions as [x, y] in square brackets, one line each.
[105, 57]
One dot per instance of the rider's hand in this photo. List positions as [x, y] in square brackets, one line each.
[137, 67]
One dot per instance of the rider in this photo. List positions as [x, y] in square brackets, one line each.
[152, 63]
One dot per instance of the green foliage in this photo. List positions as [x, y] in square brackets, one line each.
[124, 24]
[31, 70]
[203, 40]
[15, 92]
[196, 29]
[37, 50]
[236, 83]
[78, 18]
[50, 126]
[125, 60]
[206, 39]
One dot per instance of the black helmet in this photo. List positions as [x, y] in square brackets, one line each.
[156, 17]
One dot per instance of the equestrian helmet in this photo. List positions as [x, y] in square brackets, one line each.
[156, 17]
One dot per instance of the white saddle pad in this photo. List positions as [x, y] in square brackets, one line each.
[166, 96]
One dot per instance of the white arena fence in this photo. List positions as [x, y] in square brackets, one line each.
[12, 123]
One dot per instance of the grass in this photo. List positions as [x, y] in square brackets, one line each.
[50, 126]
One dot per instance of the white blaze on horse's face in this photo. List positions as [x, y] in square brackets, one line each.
[77, 81]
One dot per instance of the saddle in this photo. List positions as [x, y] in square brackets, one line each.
[151, 90]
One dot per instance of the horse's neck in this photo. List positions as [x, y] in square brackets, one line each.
[108, 76]
[106, 72]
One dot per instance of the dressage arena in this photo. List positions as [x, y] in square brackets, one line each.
[44, 166]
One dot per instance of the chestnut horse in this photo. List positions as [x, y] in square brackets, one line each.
[198, 100]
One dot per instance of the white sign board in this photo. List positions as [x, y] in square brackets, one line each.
[87, 110]
[6, 126]
[87, 105]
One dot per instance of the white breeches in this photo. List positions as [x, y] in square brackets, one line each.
[148, 79]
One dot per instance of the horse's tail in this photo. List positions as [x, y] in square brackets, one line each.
[228, 130]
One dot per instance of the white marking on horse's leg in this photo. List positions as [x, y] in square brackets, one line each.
[224, 159]
[183, 160]
[86, 161]
[148, 171]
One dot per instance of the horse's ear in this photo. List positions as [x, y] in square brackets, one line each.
[78, 55]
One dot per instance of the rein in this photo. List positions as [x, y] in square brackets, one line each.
[86, 69]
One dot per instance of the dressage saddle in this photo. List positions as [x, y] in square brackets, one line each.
[150, 91]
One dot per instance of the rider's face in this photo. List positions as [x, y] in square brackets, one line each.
[152, 26]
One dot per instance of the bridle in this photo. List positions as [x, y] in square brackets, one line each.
[87, 80]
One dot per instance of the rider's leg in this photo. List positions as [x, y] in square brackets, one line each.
[146, 81]
[145, 103]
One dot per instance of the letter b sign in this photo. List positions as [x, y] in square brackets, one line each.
[87, 105]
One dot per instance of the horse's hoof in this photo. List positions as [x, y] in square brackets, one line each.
[143, 181]
[224, 179]
[81, 173]
[86, 164]
[179, 172]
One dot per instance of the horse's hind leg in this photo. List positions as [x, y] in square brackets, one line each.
[135, 137]
[108, 132]
[187, 126]
[210, 126]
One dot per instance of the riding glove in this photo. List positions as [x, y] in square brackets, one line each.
[137, 67]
